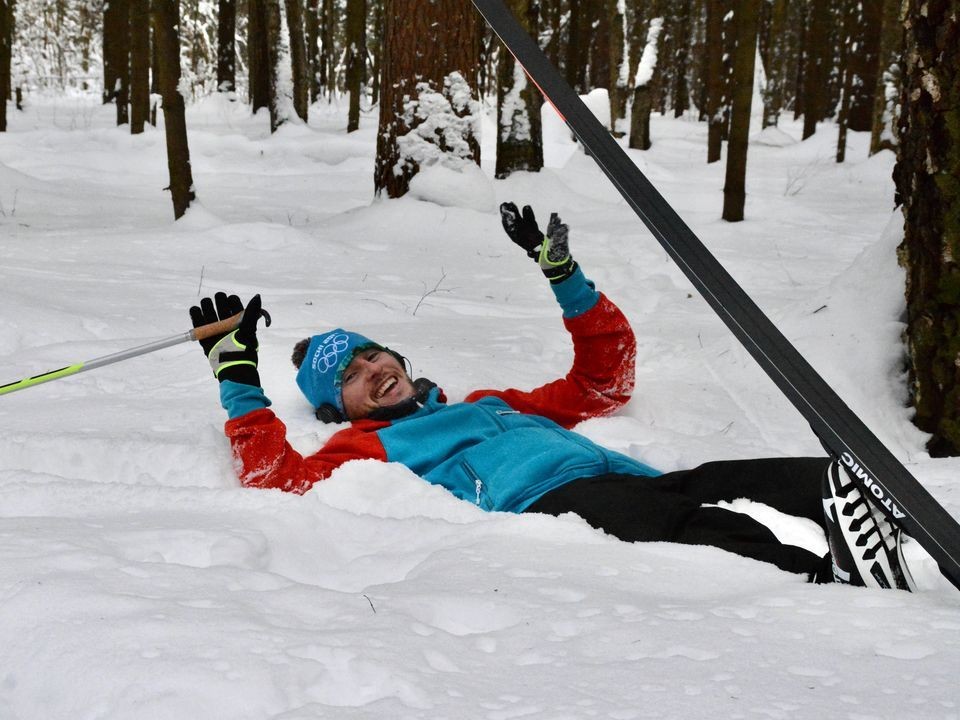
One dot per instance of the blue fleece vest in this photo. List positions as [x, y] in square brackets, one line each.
[489, 454]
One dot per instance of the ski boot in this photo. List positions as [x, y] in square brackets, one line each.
[865, 548]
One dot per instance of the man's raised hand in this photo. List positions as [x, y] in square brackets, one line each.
[552, 252]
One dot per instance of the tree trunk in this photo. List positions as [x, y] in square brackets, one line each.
[311, 26]
[888, 74]
[298, 58]
[681, 58]
[716, 79]
[258, 61]
[744, 66]
[864, 62]
[375, 44]
[519, 131]
[425, 46]
[927, 176]
[328, 57]
[356, 40]
[166, 32]
[139, 64]
[851, 10]
[776, 56]
[574, 66]
[619, 64]
[227, 46]
[274, 39]
[644, 82]
[6, 46]
[116, 56]
[815, 80]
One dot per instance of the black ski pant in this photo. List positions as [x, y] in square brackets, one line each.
[671, 508]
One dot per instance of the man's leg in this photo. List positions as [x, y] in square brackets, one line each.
[635, 508]
[790, 485]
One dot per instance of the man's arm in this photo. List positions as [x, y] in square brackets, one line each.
[602, 377]
[263, 458]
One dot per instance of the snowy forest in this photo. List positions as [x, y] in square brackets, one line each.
[346, 159]
[887, 68]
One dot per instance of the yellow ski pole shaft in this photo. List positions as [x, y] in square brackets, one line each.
[198, 333]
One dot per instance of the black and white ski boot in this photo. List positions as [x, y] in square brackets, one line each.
[864, 546]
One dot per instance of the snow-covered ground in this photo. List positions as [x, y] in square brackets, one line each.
[137, 580]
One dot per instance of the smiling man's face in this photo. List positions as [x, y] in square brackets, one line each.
[373, 379]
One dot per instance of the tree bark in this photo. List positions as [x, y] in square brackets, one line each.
[425, 46]
[734, 189]
[139, 65]
[519, 130]
[864, 63]
[311, 26]
[227, 46]
[775, 59]
[6, 46]
[815, 80]
[927, 177]
[716, 79]
[574, 65]
[888, 74]
[274, 39]
[166, 21]
[298, 58]
[328, 58]
[116, 56]
[681, 59]
[619, 64]
[375, 44]
[258, 60]
[847, 68]
[356, 39]
[643, 91]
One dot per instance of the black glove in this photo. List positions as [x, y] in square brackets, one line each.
[232, 355]
[552, 252]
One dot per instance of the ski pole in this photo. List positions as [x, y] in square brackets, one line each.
[198, 333]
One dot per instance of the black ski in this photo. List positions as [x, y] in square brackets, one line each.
[903, 498]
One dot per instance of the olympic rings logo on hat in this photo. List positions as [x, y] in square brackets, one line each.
[327, 356]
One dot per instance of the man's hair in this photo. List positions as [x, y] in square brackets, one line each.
[300, 352]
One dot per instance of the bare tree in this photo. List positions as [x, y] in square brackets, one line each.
[166, 31]
[644, 81]
[619, 62]
[734, 188]
[519, 131]
[815, 88]
[718, 85]
[422, 47]
[139, 64]
[6, 46]
[116, 56]
[227, 46]
[888, 74]
[356, 51]
[258, 58]
[775, 63]
[311, 26]
[926, 174]
[847, 68]
[298, 58]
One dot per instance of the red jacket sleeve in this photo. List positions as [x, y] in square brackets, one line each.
[264, 459]
[601, 379]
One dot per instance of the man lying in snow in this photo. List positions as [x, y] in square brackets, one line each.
[513, 451]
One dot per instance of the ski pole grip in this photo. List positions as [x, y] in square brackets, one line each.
[218, 328]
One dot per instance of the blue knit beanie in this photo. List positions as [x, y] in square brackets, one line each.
[327, 356]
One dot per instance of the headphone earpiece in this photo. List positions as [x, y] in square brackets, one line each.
[328, 413]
